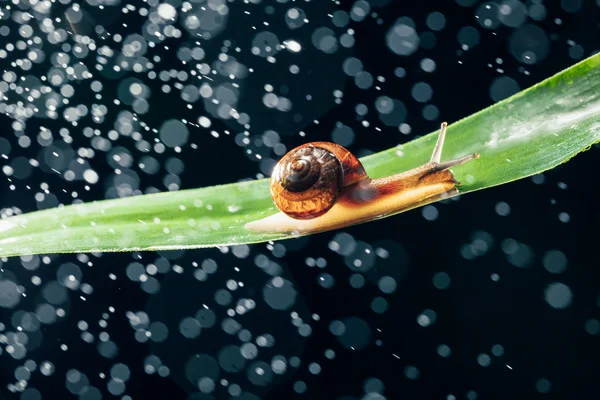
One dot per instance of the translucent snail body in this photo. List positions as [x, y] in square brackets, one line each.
[321, 186]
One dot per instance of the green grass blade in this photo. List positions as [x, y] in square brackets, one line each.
[528, 133]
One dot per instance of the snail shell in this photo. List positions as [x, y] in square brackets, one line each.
[307, 181]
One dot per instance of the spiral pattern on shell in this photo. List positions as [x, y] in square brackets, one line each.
[306, 182]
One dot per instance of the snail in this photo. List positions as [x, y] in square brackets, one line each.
[321, 186]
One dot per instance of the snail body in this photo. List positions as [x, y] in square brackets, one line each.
[322, 186]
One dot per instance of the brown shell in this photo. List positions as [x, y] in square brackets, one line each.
[306, 182]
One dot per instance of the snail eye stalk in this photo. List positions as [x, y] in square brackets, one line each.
[436, 156]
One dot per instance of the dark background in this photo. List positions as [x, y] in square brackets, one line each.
[473, 314]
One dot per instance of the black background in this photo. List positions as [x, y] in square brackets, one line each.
[475, 313]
